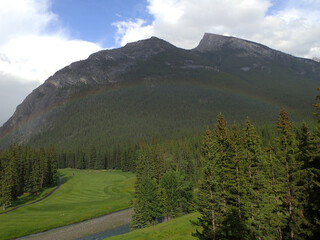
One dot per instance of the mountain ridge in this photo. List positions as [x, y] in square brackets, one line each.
[219, 62]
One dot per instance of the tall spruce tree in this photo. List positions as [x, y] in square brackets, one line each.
[236, 185]
[147, 203]
[276, 177]
[287, 151]
[214, 196]
[10, 187]
[314, 184]
[177, 191]
[258, 197]
[207, 198]
[307, 149]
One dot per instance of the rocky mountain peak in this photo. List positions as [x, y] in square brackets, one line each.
[316, 59]
[214, 42]
[154, 58]
[142, 50]
[146, 48]
[211, 42]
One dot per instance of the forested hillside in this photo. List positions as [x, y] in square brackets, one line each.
[217, 129]
[151, 88]
[245, 190]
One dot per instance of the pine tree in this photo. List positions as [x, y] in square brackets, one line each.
[287, 151]
[206, 199]
[276, 176]
[92, 157]
[307, 148]
[178, 193]
[147, 207]
[28, 164]
[214, 195]
[239, 181]
[317, 106]
[52, 174]
[36, 173]
[257, 187]
[147, 204]
[10, 187]
[313, 209]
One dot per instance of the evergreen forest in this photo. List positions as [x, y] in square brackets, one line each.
[246, 182]
[25, 170]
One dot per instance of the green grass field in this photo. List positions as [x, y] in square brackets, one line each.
[84, 194]
[177, 229]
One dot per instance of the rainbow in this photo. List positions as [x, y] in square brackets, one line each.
[127, 86]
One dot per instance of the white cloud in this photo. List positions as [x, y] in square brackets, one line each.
[12, 92]
[293, 27]
[129, 31]
[29, 48]
[33, 46]
[36, 57]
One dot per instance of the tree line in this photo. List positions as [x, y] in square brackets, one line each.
[161, 191]
[245, 188]
[117, 157]
[23, 169]
[250, 191]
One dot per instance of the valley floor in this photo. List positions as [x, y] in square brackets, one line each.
[179, 228]
[86, 228]
[84, 194]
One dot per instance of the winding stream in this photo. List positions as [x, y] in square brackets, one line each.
[98, 228]
[113, 232]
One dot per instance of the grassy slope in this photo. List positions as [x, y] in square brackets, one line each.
[179, 228]
[84, 195]
[27, 198]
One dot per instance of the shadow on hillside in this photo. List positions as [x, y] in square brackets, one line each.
[65, 178]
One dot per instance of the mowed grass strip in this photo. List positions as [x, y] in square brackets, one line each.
[84, 194]
[177, 229]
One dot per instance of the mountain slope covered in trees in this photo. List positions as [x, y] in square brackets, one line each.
[151, 88]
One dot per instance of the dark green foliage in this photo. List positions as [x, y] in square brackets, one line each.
[167, 108]
[217, 201]
[177, 194]
[23, 169]
[291, 170]
[160, 192]
[247, 193]
[310, 173]
[314, 194]
[317, 106]
[147, 205]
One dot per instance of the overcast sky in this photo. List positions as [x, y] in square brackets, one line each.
[39, 37]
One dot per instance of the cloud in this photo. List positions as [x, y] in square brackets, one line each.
[36, 57]
[129, 31]
[33, 44]
[12, 92]
[290, 26]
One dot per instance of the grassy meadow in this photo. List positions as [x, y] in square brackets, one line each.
[176, 229]
[84, 194]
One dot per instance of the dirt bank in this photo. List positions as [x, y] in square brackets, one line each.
[86, 228]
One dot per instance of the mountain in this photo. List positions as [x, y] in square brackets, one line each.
[151, 88]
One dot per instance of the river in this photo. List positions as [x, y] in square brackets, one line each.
[98, 228]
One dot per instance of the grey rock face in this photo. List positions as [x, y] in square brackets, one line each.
[213, 42]
[316, 59]
[112, 67]
[105, 67]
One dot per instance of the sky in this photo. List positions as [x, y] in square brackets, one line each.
[39, 37]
